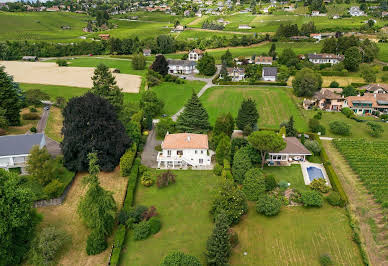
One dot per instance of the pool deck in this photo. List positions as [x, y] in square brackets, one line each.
[305, 165]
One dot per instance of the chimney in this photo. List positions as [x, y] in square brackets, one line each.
[188, 138]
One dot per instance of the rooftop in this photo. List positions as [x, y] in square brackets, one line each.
[294, 146]
[325, 56]
[270, 71]
[19, 144]
[177, 62]
[185, 141]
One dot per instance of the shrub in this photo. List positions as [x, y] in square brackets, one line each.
[318, 115]
[33, 110]
[123, 216]
[164, 179]
[270, 183]
[319, 184]
[241, 164]
[374, 129]
[61, 62]
[334, 199]
[118, 244]
[313, 146]
[33, 130]
[127, 159]
[149, 213]
[179, 258]
[96, 243]
[385, 68]
[53, 189]
[141, 230]
[146, 179]
[334, 84]
[312, 199]
[340, 128]
[316, 127]
[347, 112]
[296, 196]
[325, 260]
[254, 184]
[155, 225]
[268, 205]
[283, 184]
[217, 170]
[137, 213]
[132, 183]
[30, 116]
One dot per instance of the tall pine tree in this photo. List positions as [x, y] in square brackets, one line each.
[160, 65]
[194, 118]
[247, 114]
[218, 249]
[9, 99]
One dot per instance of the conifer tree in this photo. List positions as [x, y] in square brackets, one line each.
[227, 58]
[160, 65]
[247, 114]
[223, 150]
[218, 248]
[9, 99]
[224, 124]
[104, 85]
[194, 118]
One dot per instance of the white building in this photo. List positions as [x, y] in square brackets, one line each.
[181, 66]
[325, 58]
[355, 11]
[316, 36]
[269, 73]
[263, 60]
[15, 149]
[195, 55]
[183, 150]
[236, 73]
[244, 27]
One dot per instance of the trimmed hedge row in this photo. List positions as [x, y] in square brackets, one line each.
[334, 180]
[252, 83]
[334, 73]
[117, 245]
[126, 160]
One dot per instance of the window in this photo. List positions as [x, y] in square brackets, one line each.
[201, 152]
[179, 152]
[200, 160]
[196, 151]
[168, 152]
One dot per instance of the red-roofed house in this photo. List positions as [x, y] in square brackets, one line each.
[184, 149]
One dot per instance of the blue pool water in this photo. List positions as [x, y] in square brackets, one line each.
[314, 173]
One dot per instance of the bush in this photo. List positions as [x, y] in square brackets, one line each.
[241, 164]
[283, 184]
[319, 184]
[53, 189]
[270, 183]
[334, 199]
[313, 146]
[96, 243]
[149, 213]
[385, 68]
[347, 112]
[141, 230]
[30, 116]
[61, 62]
[316, 127]
[33, 130]
[164, 179]
[340, 128]
[334, 84]
[155, 225]
[165, 125]
[127, 159]
[178, 258]
[325, 260]
[254, 184]
[318, 115]
[375, 130]
[268, 205]
[137, 213]
[132, 183]
[217, 170]
[33, 110]
[312, 199]
[146, 179]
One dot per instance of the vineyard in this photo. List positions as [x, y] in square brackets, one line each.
[369, 159]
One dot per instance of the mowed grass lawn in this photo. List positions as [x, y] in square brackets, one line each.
[54, 124]
[184, 211]
[273, 104]
[297, 236]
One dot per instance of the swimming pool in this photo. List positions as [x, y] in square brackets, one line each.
[314, 173]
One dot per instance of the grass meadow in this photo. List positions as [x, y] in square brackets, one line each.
[383, 52]
[54, 124]
[274, 105]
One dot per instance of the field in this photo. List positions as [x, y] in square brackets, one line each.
[383, 52]
[184, 211]
[297, 236]
[369, 159]
[65, 217]
[274, 105]
[357, 129]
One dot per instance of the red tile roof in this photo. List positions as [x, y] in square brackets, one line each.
[185, 141]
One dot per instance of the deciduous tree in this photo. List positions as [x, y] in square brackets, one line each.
[160, 65]
[151, 104]
[306, 82]
[207, 65]
[352, 59]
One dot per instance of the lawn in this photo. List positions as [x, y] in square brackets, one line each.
[357, 129]
[54, 124]
[342, 81]
[184, 211]
[274, 105]
[25, 124]
[55, 91]
[292, 174]
[383, 52]
[297, 236]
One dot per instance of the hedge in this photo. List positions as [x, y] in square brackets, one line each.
[117, 245]
[334, 180]
[358, 84]
[132, 182]
[126, 160]
[252, 83]
[334, 73]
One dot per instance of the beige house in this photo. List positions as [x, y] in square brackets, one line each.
[328, 99]
[368, 104]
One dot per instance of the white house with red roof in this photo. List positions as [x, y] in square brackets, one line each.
[184, 150]
[195, 55]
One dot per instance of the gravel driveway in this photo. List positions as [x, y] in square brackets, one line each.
[148, 157]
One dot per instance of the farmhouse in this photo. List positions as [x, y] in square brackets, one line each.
[269, 73]
[195, 55]
[184, 149]
[263, 60]
[375, 88]
[328, 99]
[294, 151]
[104, 37]
[325, 58]
[30, 58]
[368, 104]
[181, 66]
[52, 9]
[236, 73]
[15, 149]
[147, 52]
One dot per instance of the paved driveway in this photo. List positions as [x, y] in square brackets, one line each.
[148, 157]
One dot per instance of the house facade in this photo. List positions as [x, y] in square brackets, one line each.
[186, 67]
[368, 104]
[263, 60]
[184, 150]
[236, 73]
[294, 151]
[375, 88]
[15, 149]
[195, 55]
[327, 99]
[269, 73]
[244, 27]
[147, 52]
[325, 58]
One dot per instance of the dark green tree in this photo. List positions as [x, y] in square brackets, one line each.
[224, 73]
[17, 218]
[349, 91]
[151, 104]
[9, 98]
[224, 124]
[241, 164]
[223, 150]
[247, 114]
[179, 258]
[329, 46]
[160, 65]
[218, 248]
[139, 61]
[352, 59]
[207, 65]
[306, 82]
[254, 184]
[227, 58]
[272, 51]
[104, 85]
[91, 124]
[290, 127]
[288, 58]
[194, 118]
[165, 44]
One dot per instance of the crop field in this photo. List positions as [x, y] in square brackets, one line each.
[369, 159]
[203, 34]
[274, 105]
